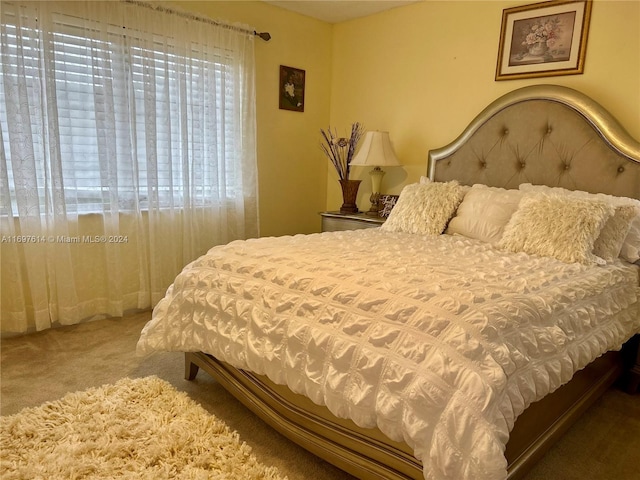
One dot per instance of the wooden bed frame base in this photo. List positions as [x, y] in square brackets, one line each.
[368, 454]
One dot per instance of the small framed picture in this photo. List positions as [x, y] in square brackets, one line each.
[291, 88]
[386, 204]
[543, 39]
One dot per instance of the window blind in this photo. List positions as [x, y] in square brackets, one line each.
[171, 110]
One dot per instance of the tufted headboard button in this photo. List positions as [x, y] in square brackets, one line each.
[567, 166]
[620, 169]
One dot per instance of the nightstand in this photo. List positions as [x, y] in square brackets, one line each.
[336, 221]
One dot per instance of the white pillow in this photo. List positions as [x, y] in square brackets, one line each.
[556, 226]
[609, 244]
[484, 212]
[424, 208]
[630, 247]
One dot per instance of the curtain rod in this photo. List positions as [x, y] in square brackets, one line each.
[266, 36]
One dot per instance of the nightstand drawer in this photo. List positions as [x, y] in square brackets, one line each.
[335, 221]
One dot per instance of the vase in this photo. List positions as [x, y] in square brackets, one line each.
[349, 195]
[538, 49]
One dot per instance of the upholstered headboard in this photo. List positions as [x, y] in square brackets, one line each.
[543, 134]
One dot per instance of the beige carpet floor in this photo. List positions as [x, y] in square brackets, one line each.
[44, 366]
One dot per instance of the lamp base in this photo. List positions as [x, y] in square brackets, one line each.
[376, 179]
[375, 205]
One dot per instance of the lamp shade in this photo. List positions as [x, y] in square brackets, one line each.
[376, 151]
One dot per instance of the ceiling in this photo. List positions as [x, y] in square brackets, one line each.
[336, 11]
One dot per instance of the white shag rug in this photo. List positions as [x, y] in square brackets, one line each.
[135, 429]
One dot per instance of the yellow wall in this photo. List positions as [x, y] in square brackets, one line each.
[292, 172]
[423, 71]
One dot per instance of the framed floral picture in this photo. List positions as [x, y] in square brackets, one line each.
[291, 88]
[543, 39]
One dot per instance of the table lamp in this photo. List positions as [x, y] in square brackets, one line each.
[376, 151]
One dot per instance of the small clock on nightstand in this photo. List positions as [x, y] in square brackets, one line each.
[336, 221]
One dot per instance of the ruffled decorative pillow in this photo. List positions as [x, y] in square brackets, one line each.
[560, 227]
[606, 247]
[612, 237]
[425, 208]
[484, 213]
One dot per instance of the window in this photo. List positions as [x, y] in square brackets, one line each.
[129, 113]
[127, 150]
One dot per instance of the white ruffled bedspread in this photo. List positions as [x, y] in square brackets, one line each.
[440, 342]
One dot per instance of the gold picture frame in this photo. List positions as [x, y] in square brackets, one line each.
[543, 39]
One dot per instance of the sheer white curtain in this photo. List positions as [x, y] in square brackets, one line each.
[127, 150]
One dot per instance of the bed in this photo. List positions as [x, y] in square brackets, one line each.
[458, 349]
